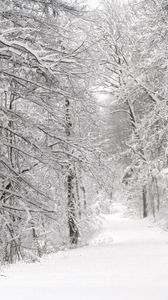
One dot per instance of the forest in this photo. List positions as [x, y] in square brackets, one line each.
[83, 119]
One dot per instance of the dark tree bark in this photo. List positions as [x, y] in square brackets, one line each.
[73, 229]
[72, 217]
[145, 203]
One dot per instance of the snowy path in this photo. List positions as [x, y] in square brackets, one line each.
[128, 260]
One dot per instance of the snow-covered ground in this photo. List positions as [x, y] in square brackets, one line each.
[127, 260]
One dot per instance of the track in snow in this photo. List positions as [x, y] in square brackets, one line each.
[127, 260]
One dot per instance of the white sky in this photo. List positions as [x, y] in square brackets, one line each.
[94, 3]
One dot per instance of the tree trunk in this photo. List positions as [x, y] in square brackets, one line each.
[145, 203]
[72, 216]
[72, 222]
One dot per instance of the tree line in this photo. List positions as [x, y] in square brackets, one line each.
[60, 145]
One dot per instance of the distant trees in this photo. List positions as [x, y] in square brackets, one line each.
[134, 72]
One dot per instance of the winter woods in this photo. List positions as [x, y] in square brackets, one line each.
[134, 73]
[47, 121]
[61, 142]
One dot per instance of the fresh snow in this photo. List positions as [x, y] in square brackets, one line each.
[126, 260]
